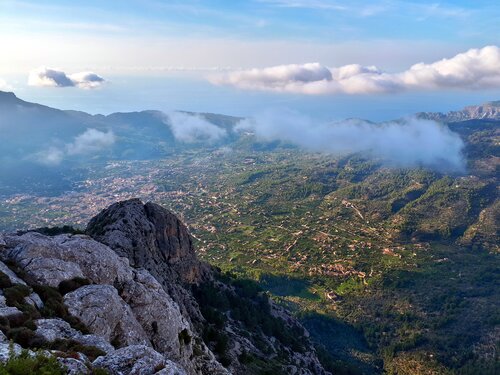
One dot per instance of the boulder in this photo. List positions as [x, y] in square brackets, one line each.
[74, 366]
[8, 350]
[98, 262]
[34, 300]
[14, 279]
[41, 258]
[50, 260]
[137, 360]
[10, 312]
[103, 311]
[56, 329]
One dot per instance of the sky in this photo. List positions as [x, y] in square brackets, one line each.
[377, 60]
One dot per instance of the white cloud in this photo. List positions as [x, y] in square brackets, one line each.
[193, 128]
[47, 77]
[474, 69]
[4, 86]
[411, 142]
[90, 141]
[51, 157]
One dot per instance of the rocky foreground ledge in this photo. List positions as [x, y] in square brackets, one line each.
[130, 297]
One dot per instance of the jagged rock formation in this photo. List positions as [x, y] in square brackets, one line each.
[143, 300]
[486, 111]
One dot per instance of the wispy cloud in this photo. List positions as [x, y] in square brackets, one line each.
[409, 142]
[471, 70]
[90, 142]
[191, 128]
[47, 77]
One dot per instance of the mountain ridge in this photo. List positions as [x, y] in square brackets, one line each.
[486, 111]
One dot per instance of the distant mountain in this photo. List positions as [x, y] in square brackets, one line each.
[486, 111]
[31, 128]
[40, 144]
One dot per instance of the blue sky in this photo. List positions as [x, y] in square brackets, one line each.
[158, 54]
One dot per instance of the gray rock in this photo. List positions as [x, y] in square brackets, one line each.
[54, 329]
[74, 366]
[10, 274]
[99, 263]
[50, 260]
[102, 310]
[9, 312]
[41, 258]
[137, 360]
[95, 341]
[3, 338]
[34, 300]
[158, 314]
[154, 239]
[7, 350]
[150, 237]
[2, 242]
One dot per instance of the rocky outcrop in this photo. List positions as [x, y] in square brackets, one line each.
[150, 237]
[153, 238]
[102, 310]
[11, 275]
[158, 315]
[50, 260]
[138, 360]
[51, 330]
[130, 282]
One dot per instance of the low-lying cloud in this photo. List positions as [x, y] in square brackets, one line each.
[407, 143]
[471, 70]
[47, 77]
[191, 128]
[90, 142]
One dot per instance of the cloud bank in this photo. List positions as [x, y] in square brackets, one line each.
[192, 128]
[47, 77]
[4, 86]
[90, 142]
[472, 70]
[407, 143]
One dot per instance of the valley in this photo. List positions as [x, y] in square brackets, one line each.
[391, 269]
[333, 239]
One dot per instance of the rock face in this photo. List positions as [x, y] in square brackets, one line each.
[141, 272]
[102, 310]
[150, 237]
[138, 359]
[56, 329]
